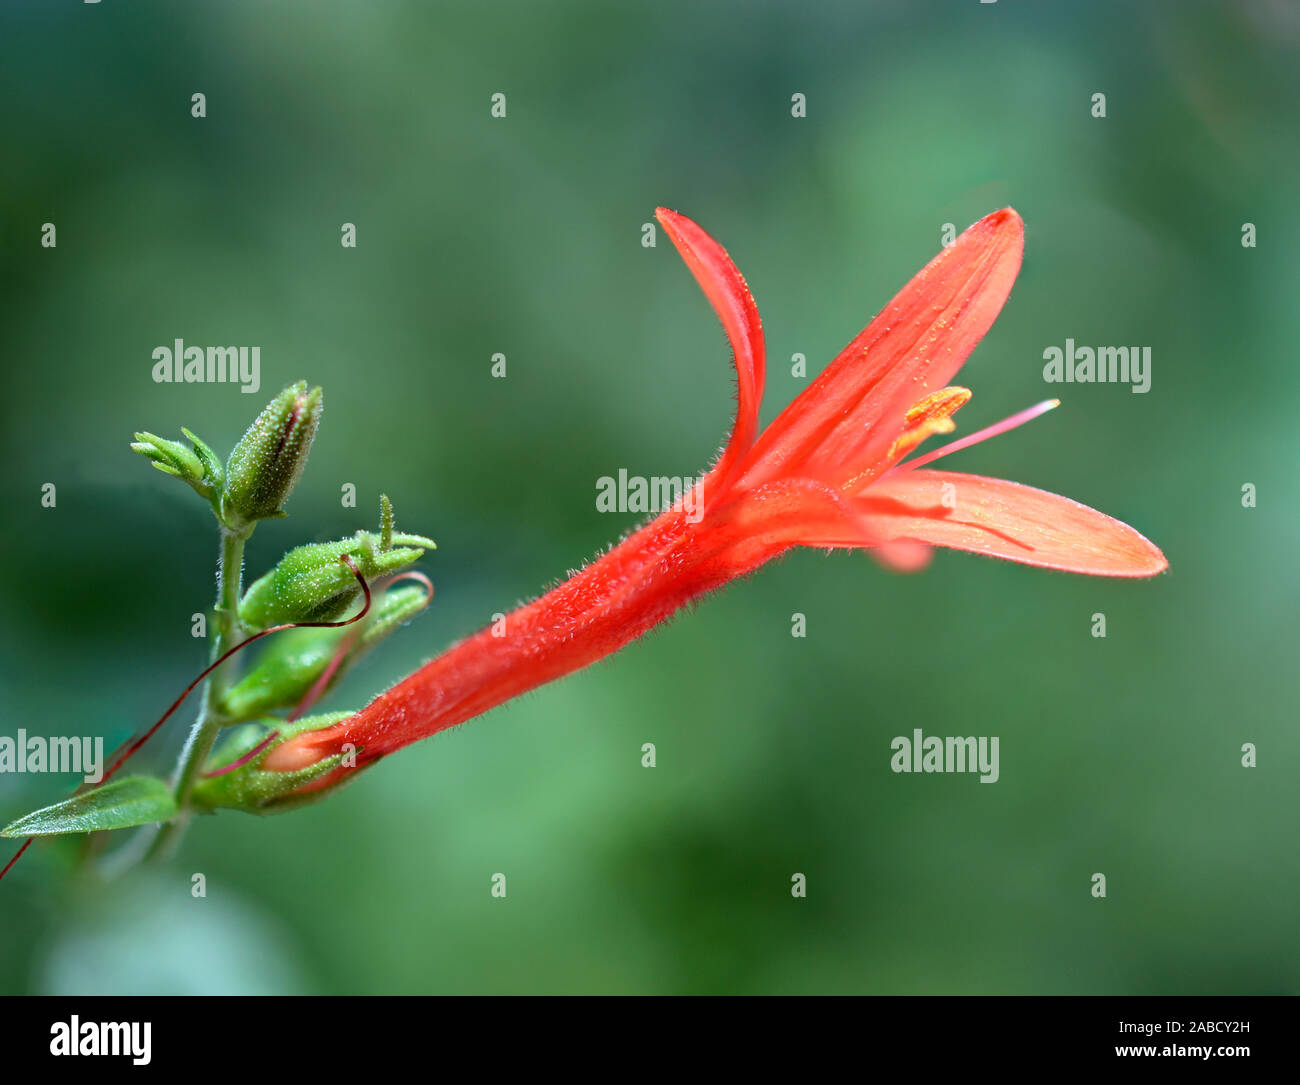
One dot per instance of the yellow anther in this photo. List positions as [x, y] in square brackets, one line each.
[929, 416]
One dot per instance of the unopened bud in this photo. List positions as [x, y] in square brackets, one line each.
[268, 461]
[313, 584]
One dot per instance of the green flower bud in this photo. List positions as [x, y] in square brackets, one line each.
[295, 659]
[268, 461]
[200, 467]
[312, 583]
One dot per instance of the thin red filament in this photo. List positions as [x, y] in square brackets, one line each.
[134, 747]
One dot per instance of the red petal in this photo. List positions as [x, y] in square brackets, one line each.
[756, 525]
[1006, 520]
[849, 416]
[727, 292]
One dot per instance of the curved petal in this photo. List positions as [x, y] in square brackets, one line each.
[1006, 520]
[850, 415]
[729, 295]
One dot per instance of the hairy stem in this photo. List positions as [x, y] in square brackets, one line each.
[204, 732]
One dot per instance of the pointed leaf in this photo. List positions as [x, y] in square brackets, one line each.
[136, 800]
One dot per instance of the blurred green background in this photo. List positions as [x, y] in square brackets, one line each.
[523, 236]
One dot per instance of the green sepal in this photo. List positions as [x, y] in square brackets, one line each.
[198, 467]
[135, 800]
[170, 457]
[255, 791]
[214, 470]
[385, 523]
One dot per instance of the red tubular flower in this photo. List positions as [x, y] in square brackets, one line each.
[826, 473]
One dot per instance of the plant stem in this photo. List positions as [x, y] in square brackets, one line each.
[204, 732]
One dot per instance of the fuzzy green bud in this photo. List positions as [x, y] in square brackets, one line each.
[313, 584]
[268, 461]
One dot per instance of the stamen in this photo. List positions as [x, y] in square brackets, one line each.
[1017, 419]
[929, 416]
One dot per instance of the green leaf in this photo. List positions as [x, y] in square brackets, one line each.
[137, 800]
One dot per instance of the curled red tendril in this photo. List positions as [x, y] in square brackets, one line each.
[130, 748]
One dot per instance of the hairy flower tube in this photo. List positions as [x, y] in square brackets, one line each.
[829, 472]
